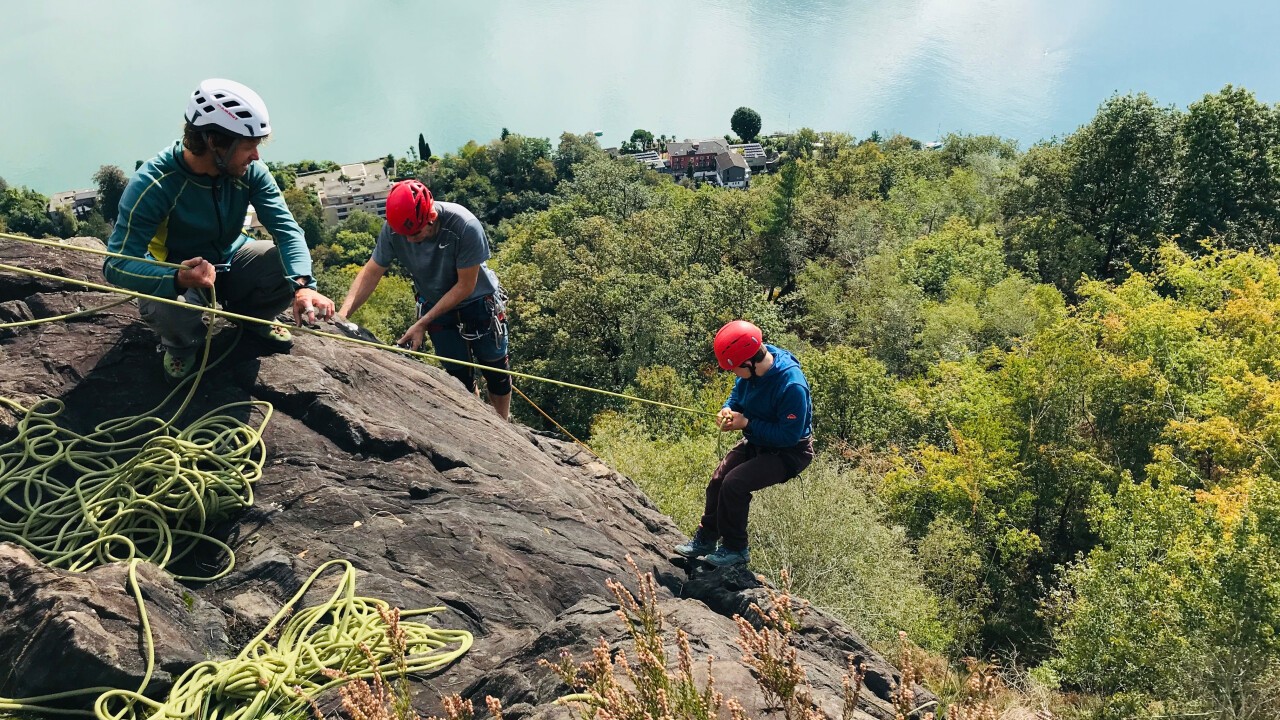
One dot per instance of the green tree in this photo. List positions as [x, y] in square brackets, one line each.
[745, 124]
[778, 256]
[111, 183]
[642, 139]
[94, 225]
[64, 222]
[305, 207]
[26, 211]
[424, 150]
[1229, 170]
[1122, 179]
[854, 398]
[572, 150]
[1044, 237]
[799, 144]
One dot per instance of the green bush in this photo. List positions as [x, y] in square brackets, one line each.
[826, 528]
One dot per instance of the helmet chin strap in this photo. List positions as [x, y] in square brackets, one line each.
[220, 159]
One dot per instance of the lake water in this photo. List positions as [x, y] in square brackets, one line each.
[91, 82]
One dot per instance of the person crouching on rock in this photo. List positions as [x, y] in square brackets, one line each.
[461, 305]
[187, 206]
[770, 404]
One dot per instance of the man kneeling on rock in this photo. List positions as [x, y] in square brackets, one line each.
[187, 206]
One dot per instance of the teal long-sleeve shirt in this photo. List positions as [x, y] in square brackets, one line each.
[172, 214]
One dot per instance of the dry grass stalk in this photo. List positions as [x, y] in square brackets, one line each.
[612, 688]
[980, 691]
[851, 684]
[769, 653]
[903, 696]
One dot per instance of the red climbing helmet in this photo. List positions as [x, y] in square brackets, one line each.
[410, 207]
[736, 343]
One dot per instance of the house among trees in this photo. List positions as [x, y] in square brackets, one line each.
[699, 154]
[732, 170]
[711, 160]
[650, 159]
[359, 186]
[79, 202]
[754, 154]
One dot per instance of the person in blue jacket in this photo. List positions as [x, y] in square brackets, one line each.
[770, 404]
[187, 206]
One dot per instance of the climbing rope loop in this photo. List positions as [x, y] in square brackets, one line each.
[134, 487]
[318, 648]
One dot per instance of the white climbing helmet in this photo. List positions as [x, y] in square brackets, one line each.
[230, 107]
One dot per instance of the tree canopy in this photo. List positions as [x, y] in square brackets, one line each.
[745, 123]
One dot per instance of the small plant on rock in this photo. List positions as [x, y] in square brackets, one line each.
[613, 687]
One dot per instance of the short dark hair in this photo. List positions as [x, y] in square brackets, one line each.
[193, 139]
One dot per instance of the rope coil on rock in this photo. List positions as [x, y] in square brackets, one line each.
[137, 488]
[319, 648]
[134, 487]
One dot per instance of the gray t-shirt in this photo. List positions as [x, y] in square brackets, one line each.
[433, 264]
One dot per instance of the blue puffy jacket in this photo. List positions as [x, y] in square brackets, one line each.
[173, 214]
[776, 404]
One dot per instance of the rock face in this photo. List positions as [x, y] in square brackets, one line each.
[390, 464]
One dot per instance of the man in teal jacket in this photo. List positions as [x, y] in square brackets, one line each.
[187, 206]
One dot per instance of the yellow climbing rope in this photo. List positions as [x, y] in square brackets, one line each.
[138, 488]
[304, 329]
[318, 648]
[134, 487]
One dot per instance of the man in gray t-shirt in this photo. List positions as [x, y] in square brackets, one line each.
[460, 306]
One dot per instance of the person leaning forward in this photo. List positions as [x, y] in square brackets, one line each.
[460, 302]
[187, 206]
[771, 406]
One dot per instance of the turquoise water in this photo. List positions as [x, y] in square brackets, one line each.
[84, 83]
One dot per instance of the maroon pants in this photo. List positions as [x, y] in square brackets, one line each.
[745, 469]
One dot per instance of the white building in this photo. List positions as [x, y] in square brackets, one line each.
[359, 186]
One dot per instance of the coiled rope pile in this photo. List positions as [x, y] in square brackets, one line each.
[318, 648]
[135, 486]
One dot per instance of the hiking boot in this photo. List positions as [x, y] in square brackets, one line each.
[699, 545]
[724, 557]
[178, 366]
[277, 336]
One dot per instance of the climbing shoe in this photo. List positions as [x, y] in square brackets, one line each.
[277, 336]
[178, 366]
[724, 557]
[698, 546]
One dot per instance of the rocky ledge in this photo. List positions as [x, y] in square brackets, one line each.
[382, 461]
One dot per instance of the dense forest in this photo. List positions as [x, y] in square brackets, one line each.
[1046, 381]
